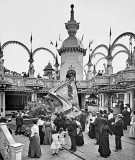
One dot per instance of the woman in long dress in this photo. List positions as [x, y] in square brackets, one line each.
[104, 148]
[34, 145]
[40, 125]
[132, 128]
[47, 132]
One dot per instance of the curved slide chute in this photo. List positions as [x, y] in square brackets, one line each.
[66, 93]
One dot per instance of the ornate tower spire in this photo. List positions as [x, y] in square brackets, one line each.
[89, 64]
[72, 26]
[56, 62]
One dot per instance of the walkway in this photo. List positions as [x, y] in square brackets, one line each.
[88, 152]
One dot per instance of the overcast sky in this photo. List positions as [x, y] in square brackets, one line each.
[46, 20]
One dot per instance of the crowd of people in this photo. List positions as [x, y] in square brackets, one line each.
[103, 124]
[53, 130]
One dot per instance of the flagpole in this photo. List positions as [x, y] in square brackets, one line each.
[31, 41]
[110, 37]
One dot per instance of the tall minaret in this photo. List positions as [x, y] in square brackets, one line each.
[72, 52]
[89, 72]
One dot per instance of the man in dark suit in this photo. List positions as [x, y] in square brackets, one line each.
[19, 124]
[126, 117]
[72, 131]
[97, 123]
[118, 131]
[83, 119]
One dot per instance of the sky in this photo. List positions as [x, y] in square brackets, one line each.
[46, 19]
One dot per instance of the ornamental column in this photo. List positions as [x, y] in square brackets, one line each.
[2, 104]
[102, 101]
[130, 99]
[33, 97]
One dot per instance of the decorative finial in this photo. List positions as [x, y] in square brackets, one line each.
[72, 6]
[72, 13]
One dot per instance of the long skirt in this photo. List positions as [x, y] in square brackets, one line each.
[41, 134]
[47, 136]
[79, 140]
[104, 148]
[91, 132]
[34, 147]
[132, 131]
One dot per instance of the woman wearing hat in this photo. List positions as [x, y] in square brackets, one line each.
[34, 145]
[132, 128]
[104, 148]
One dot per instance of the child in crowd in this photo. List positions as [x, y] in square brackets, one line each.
[55, 146]
[62, 135]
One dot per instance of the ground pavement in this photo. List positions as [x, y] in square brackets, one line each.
[89, 151]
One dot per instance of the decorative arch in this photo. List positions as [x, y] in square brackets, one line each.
[123, 46]
[99, 46]
[98, 53]
[123, 35]
[99, 60]
[122, 51]
[15, 42]
[42, 48]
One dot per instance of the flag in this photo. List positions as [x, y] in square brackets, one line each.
[82, 37]
[51, 42]
[31, 38]
[56, 45]
[110, 31]
[90, 43]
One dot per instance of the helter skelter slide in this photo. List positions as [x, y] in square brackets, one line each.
[66, 94]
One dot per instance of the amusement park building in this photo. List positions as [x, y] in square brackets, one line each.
[16, 90]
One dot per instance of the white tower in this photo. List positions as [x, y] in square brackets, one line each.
[72, 52]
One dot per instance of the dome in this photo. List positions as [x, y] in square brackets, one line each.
[72, 42]
[49, 67]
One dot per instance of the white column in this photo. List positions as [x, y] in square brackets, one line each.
[131, 99]
[102, 101]
[125, 98]
[2, 104]
[33, 96]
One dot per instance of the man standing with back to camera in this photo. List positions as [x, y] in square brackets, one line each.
[72, 131]
[118, 131]
[19, 124]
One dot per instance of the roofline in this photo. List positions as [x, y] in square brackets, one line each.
[72, 49]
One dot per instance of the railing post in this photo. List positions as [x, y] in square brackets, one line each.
[16, 151]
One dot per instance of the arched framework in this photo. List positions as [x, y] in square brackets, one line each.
[99, 46]
[42, 48]
[15, 42]
[121, 51]
[100, 60]
[123, 35]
